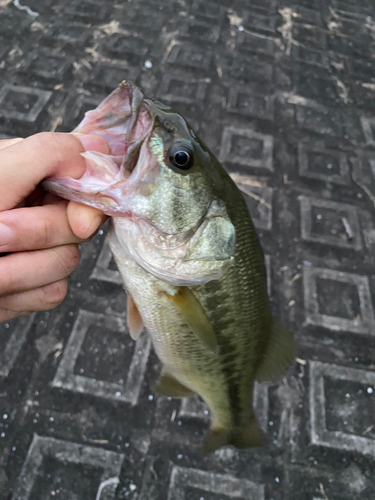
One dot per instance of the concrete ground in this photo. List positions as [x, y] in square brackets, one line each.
[284, 94]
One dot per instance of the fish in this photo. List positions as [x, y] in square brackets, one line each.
[189, 257]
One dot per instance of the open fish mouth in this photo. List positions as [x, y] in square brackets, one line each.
[118, 119]
[125, 122]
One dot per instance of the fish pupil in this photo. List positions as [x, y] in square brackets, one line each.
[181, 158]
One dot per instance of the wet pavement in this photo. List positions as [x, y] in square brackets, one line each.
[284, 94]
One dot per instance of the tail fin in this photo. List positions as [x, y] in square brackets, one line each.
[216, 438]
[247, 436]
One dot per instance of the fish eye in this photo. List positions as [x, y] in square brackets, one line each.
[181, 157]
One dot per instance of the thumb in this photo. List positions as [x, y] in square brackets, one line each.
[83, 220]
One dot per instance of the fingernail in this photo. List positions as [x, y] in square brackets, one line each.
[6, 234]
[93, 142]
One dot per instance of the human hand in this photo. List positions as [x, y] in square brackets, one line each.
[41, 231]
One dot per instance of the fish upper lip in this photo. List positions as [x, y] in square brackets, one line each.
[138, 102]
[137, 99]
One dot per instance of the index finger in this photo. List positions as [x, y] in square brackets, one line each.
[4, 143]
[26, 163]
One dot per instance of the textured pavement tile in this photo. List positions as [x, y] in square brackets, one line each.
[284, 95]
[338, 301]
[73, 470]
[22, 103]
[321, 163]
[335, 421]
[247, 148]
[330, 223]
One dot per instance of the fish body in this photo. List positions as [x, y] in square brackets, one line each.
[189, 257]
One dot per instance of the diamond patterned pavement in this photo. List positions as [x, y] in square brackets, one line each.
[284, 94]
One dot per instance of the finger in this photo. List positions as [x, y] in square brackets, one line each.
[40, 299]
[84, 220]
[25, 164]
[27, 270]
[8, 142]
[36, 228]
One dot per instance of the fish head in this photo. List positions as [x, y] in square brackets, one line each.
[159, 184]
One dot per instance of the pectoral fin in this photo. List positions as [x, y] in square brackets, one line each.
[195, 316]
[133, 318]
[279, 355]
[168, 386]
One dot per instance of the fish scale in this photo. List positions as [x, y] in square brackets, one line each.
[234, 288]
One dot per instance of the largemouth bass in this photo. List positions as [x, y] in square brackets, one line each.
[189, 257]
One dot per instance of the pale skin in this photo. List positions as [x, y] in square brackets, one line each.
[39, 231]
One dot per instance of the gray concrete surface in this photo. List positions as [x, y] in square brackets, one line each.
[284, 94]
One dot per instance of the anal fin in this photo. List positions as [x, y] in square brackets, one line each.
[169, 386]
[133, 318]
[279, 355]
[195, 316]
